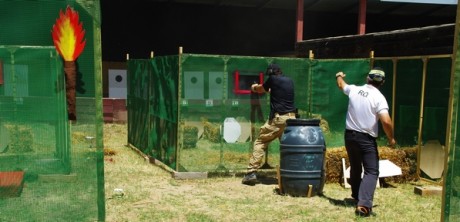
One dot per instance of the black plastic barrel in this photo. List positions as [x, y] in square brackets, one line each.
[302, 158]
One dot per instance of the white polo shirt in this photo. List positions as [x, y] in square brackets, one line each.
[364, 105]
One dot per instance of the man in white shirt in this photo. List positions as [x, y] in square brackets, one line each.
[366, 106]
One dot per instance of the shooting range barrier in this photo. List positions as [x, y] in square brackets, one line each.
[178, 106]
[48, 169]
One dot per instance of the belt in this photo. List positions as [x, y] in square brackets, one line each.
[354, 131]
[285, 114]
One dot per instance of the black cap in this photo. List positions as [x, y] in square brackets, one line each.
[274, 66]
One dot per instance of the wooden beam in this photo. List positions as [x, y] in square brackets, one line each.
[428, 191]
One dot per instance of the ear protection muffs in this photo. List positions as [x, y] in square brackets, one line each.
[376, 75]
[270, 70]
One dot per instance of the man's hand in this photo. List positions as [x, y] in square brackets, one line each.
[253, 87]
[392, 143]
[341, 74]
[340, 80]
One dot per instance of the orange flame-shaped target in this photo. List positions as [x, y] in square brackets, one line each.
[68, 35]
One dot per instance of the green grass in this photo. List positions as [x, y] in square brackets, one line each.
[151, 194]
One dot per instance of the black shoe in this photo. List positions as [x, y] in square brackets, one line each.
[250, 179]
[363, 211]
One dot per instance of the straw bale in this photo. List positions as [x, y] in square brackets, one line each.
[211, 132]
[21, 138]
[190, 136]
[405, 158]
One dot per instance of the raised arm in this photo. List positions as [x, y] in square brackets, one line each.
[340, 80]
[257, 88]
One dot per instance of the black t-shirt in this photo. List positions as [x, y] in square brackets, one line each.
[281, 90]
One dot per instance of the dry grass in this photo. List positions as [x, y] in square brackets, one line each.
[151, 194]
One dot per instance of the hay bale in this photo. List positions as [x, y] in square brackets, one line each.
[405, 158]
[21, 138]
[334, 171]
[323, 124]
[78, 138]
[211, 132]
[190, 136]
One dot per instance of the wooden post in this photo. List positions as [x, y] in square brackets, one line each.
[299, 35]
[310, 188]
[278, 175]
[362, 17]
[393, 100]
[371, 56]
[180, 127]
[420, 123]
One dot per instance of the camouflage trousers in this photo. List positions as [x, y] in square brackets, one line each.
[271, 130]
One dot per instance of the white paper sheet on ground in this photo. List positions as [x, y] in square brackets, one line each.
[386, 168]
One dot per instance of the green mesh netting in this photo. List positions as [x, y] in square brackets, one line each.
[49, 169]
[213, 91]
[195, 113]
[451, 199]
